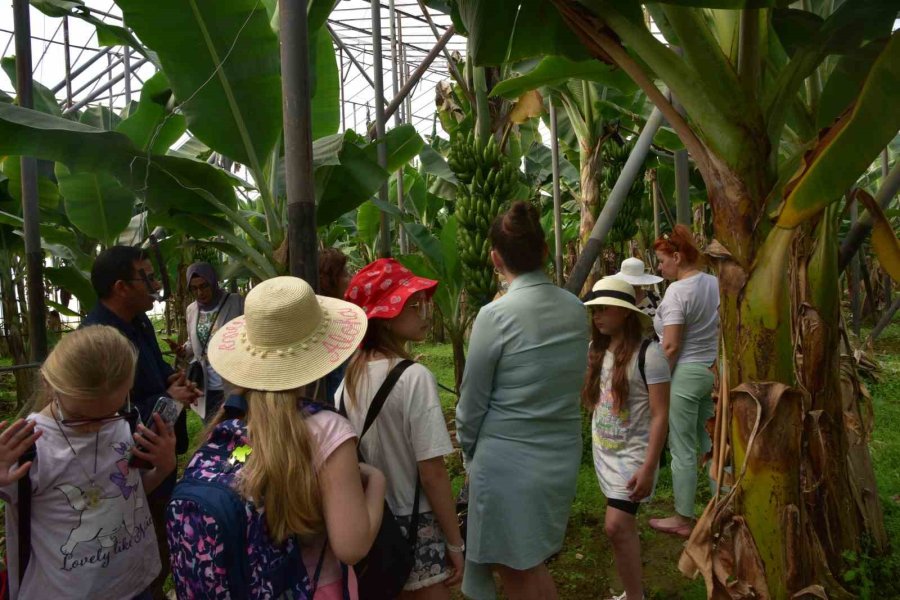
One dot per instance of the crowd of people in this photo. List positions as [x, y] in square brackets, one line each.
[321, 473]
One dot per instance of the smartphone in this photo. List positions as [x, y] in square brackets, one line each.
[167, 408]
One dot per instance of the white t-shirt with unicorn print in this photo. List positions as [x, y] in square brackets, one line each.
[87, 541]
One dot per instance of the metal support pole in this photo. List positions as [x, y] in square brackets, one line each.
[889, 187]
[417, 74]
[127, 63]
[68, 62]
[81, 69]
[384, 242]
[343, 93]
[395, 72]
[614, 203]
[102, 89]
[654, 191]
[557, 202]
[404, 67]
[34, 256]
[301, 198]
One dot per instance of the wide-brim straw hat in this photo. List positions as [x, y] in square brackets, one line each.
[612, 291]
[634, 272]
[287, 337]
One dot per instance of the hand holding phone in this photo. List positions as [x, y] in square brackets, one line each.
[166, 411]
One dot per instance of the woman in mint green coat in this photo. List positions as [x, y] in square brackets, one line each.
[518, 419]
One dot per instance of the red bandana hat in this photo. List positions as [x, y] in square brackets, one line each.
[382, 288]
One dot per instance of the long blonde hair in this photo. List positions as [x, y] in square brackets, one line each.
[280, 474]
[378, 340]
[86, 363]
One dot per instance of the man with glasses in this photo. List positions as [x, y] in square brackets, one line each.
[127, 287]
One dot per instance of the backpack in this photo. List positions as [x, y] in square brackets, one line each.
[208, 483]
[382, 574]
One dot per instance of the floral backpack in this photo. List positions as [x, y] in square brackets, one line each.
[218, 541]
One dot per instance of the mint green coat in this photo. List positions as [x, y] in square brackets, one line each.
[519, 424]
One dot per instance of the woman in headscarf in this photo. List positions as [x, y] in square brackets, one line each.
[211, 308]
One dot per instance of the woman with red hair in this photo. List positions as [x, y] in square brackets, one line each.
[687, 323]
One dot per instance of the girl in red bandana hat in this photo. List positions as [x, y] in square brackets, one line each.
[409, 439]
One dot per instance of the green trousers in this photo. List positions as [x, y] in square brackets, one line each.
[690, 405]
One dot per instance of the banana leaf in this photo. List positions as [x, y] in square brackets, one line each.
[222, 60]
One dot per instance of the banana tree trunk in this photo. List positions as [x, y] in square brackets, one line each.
[796, 423]
[12, 331]
[591, 163]
[590, 188]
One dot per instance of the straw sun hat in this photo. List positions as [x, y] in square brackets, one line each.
[287, 337]
[633, 272]
[612, 291]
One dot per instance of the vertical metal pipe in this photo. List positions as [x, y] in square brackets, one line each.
[384, 243]
[34, 256]
[110, 83]
[398, 118]
[68, 61]
[404, 66]
[855, 308]
[654, 189]
[127, 63]
[343, 93]
[301, 199]
[557, 201]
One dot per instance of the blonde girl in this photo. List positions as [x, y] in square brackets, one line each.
[304, 501]
[91, 531]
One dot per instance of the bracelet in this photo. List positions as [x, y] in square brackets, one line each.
[456, 549]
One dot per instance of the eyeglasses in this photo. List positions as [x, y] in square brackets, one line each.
[423, 308]
[146, 277]
[128, 413]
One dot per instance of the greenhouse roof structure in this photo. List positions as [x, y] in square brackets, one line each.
[109, 76]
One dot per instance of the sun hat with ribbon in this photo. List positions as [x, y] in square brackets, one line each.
[633, 272]
[612, 291]
[382, 288]
[287, 337]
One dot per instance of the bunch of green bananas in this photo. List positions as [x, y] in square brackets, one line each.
[488, 180]
[625, 226]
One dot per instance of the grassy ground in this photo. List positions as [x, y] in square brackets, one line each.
[584, 568]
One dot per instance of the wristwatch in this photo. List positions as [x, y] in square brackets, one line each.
[456, 549]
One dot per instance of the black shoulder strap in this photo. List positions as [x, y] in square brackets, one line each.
[24, 506]
[642, 359]
[374, 409]
[381, 395]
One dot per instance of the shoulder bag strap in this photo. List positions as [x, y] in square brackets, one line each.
[378, 401]
[24, 506]
[414, 522]
[642, 359]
